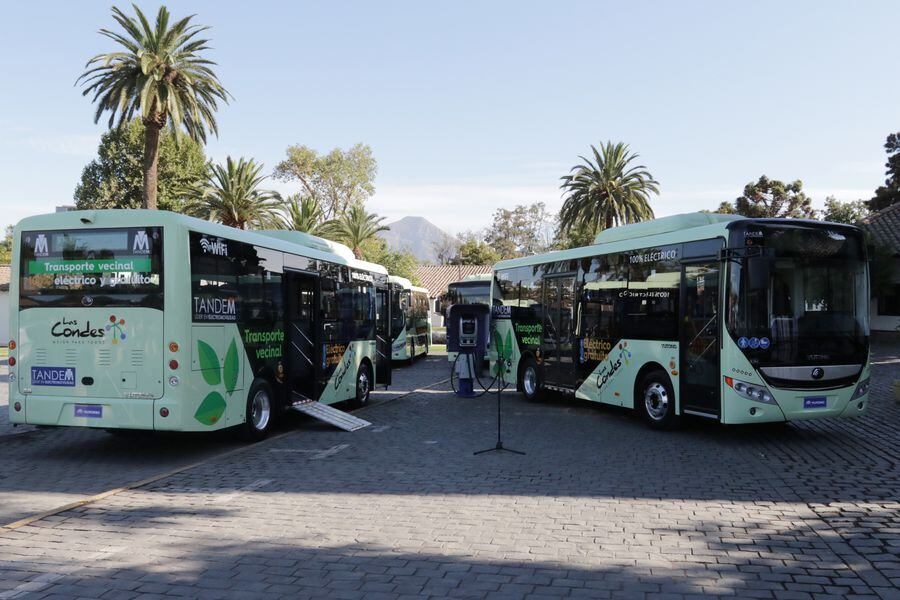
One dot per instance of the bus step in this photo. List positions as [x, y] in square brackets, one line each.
[330, 415]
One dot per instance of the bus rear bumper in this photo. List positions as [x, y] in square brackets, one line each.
[104, 413]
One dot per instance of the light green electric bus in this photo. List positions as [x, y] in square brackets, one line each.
[410, 324]
[153, 320]
[733, 319]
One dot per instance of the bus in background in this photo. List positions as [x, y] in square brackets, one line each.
[732, 319]
[474, 289]
[153, 320]
[410, 322]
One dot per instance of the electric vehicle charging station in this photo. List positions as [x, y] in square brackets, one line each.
[468, 334]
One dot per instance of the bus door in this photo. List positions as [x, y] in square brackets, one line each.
[700, 372]
[383, 339]
[557, 348]
[301, 343]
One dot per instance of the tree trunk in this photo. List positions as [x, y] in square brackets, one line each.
[151, 163]
[609, 220]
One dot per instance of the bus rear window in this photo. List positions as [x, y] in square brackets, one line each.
[98, 267]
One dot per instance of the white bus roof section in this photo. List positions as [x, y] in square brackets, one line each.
[89, 219]
[310, 241]
[667, 230]
[479, 277]
[406, 284]
[662, 225]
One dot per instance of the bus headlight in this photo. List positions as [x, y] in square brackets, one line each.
[750, 391]
[862, 388]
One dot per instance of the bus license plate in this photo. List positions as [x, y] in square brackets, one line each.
[90, 411]
[815, 402]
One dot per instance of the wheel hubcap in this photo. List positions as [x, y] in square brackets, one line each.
[363, 384]
[529, 381]
[260, 411]
[656, 401]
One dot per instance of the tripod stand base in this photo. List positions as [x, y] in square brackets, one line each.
[499, 448]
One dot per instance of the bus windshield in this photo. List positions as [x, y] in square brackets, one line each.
[95, 267]
[802, 299]
[474, 292]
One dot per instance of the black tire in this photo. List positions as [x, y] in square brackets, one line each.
[427, 347]
[260, 412]
[530, 381]
[412, 351]
[363, 386]
[654, 398]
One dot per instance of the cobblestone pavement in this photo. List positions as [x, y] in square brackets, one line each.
[599, 507]
[41, 469]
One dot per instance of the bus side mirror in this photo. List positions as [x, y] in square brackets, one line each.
[758, 273]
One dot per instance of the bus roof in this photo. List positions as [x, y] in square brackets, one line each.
[406, 284]
[293, 242]
[667, 230]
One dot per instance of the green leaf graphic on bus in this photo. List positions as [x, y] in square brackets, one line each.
[209, 363]
[504, 352]
[211, 409]
[231, 368]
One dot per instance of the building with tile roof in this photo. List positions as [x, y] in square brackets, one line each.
[884, 227]
[436, 278]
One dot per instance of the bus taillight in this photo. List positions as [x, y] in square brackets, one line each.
[173, 346]
[12, 344]
[173, 364]
[12, 361]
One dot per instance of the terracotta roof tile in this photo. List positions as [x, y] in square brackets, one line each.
[436, 278]
[884, 226]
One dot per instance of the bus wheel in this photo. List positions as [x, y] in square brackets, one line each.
[363, 385]
[259, 412]
[530, 380]
[656, 401]
[412, 352]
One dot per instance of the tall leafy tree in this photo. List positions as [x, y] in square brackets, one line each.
[6, 246]
[606, 191]
[336, 180]
[889, 193]
[844, 212]
[355, 226]
[115, 179]
[159, 73]
[231, 195]
[303, 213]
[397, 262]
[771, 198]
[522, 231]
[474, 251]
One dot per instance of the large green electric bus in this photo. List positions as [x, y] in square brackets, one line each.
[153, 320]
[733, 319]
[410, 324]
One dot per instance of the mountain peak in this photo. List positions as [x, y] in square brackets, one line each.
[417, 235]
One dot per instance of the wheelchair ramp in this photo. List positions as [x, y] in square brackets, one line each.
[330, 415]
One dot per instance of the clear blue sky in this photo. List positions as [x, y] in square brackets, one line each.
[473, 105]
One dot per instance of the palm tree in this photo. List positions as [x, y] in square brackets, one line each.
[355, 226]
[159, 74]
[231, 195]
[304, 213]
[606, 192]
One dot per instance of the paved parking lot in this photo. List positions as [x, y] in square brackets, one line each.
[599, 507]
